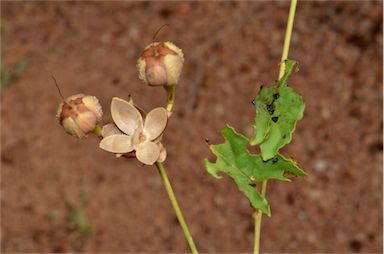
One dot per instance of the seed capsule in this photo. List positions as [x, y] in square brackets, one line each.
[160, 64]
[79, 114]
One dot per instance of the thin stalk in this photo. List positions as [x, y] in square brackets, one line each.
[176, 206]
[258, 215]
[97, 131]
[287, 40]
[170, 96]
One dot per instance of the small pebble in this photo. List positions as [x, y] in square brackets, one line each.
[320, 165]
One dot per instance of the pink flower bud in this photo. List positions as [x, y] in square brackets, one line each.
[79, 114]
[160, 64]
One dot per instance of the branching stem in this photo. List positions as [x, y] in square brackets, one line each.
[176, 206]
[288, 33]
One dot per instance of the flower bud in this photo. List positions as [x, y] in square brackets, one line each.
[160, 64]
[79, 114]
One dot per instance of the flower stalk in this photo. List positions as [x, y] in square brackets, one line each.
[171, 92]
[162, 171]
[287, 39]
[97, 131]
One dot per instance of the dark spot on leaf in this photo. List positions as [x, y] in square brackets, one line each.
[275, 118]
[252, 184]
[274, 160]
[284, 136]
[270, 109]
[276, 96]
[355, 245]
[261, 87]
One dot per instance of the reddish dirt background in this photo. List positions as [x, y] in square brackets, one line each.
[231, 48]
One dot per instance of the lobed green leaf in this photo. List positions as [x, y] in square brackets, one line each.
[278, 108]
[248, 169]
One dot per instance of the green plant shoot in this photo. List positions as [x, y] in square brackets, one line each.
[278, 107]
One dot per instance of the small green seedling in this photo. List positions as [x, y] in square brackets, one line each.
[75, 217]
[10, 76]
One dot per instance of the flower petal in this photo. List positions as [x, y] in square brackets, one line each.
[148, 153]
[155, 123]
[110, 129]
[138, 137]
[117, 143]
[163, 153]
[126, 117]
[92, 103]
[86, 121]
[71, 127]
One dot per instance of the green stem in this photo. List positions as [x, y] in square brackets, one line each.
[258, 215]
[287, 40]
[176, 207]
[170, 96]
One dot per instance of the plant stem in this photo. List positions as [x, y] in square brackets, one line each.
[287, 40]
[258, 214]
[170, 96]
[97, 131]
[176, 207]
